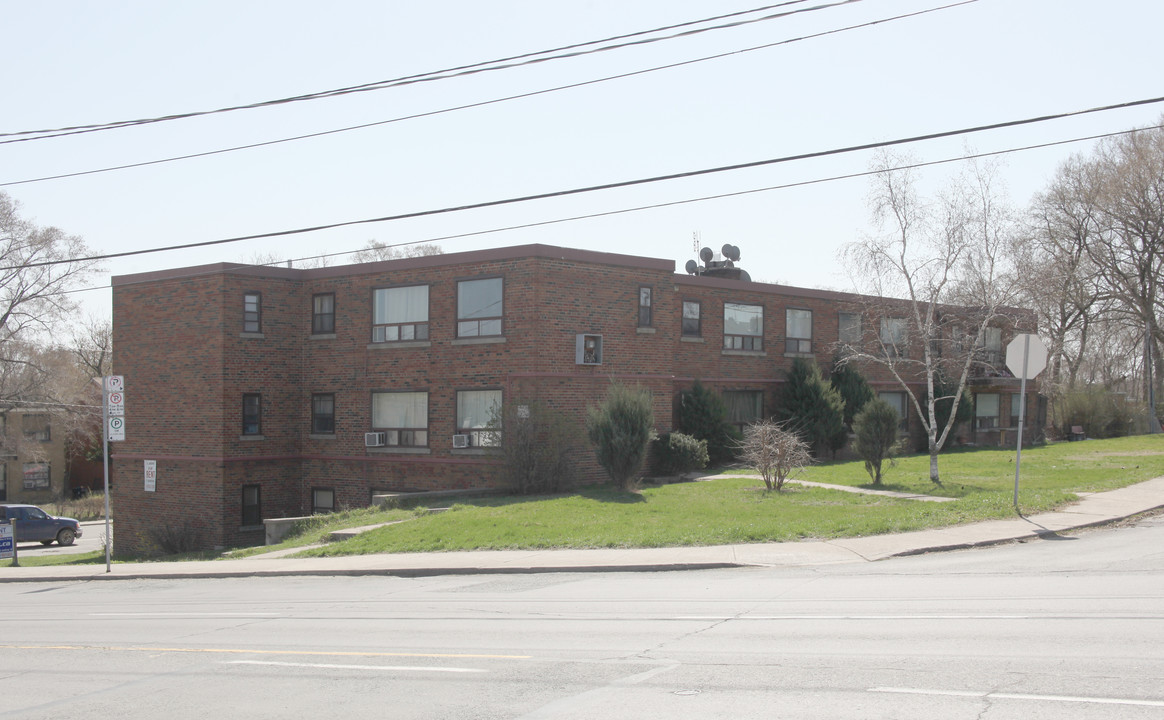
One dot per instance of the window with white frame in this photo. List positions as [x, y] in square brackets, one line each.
[400, 314]
[37, 476]
[992, 345]
[986, 411]
[480, 307]
[479, 417]
[798, 331]
[692, 326]
[743, 327]
[899, 401]
[402, 417]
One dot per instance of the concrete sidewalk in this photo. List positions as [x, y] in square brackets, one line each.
[1092, 509]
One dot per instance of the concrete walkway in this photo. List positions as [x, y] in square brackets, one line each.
[1091, 510]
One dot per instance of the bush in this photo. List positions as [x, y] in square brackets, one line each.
[813, 407]
[774, 451]
[676, 453]
[703, 415]
[621, 429]
[173, 539]
[1101, 414]
[875, 429]
[538, 447]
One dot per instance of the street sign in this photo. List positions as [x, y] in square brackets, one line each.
[116, 403]
[151, 475]
[7, 546]
[114, 383]
[116, 429]
[1035, 360]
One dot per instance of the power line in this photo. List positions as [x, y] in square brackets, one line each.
[612, 185]
[485, 102]
[475, 68]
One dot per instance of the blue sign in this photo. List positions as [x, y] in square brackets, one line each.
[6, 545]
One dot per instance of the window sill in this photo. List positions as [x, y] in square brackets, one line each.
[321, 436]
[400, 345]
[691, 339]
[323, 336]
[744, 353]
[256, 336]
[251, 438]
[477, 451]
[480, 340]
[399, 451]
[810, 356]
[645, 331]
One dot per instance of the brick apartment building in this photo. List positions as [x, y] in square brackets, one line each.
[266, 392]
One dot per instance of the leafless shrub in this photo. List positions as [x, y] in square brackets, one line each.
[776, 452]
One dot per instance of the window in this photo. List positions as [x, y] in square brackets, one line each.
[323, 414]
[3, 482]
[798, 333]
[252, 414]
[986, 411]
[992, 345]
[479, 307]
[476, 411]
[691, 323]
[588, 349]
[849, 328]
[323, 314]
[743, 327]
[644, 307]
[894, 337]
[744, 407]
[1016, 400]
[322, 500]
[37, 476]
[37, 428]
[252, 506]
[403, 416]
[252, 312]
[899, 402]
[400, 314]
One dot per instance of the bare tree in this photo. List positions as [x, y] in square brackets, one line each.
[1129, 254]
[937, 280]
[375, 251]
[37, 267]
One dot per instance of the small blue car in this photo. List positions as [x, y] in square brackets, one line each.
[35, 525]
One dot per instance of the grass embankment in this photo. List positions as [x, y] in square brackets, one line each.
[738, 510]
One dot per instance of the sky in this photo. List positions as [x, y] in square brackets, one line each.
[816, 86]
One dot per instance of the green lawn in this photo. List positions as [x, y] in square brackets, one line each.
[731, 509]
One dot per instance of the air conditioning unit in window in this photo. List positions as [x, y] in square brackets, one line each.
[374, 439]
[460, 441]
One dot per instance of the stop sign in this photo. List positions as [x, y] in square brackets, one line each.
[1029, 347]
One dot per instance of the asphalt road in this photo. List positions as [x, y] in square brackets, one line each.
[1061, 628]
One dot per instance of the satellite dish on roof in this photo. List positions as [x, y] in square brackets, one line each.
[692, 267]
[731, 252]
[706, 254]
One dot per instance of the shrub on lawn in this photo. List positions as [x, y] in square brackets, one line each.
[676, 453]
[776, 452]
[875, 429]
[814, 407]
[621, 428]
[703, 415]
[539, 448]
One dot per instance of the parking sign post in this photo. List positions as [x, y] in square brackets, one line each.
[113, 419]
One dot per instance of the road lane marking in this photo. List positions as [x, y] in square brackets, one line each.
[243, 651]
[186, 614]
[334, 666]
[1020, 696]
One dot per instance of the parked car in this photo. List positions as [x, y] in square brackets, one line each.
[35, 525]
